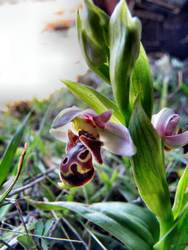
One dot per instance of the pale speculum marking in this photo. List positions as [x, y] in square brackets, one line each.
[84, 156]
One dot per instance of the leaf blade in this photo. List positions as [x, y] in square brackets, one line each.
[123, 232]
[94, 99]
[148, 165]
[142, 83]
[20, 165]
[181, 197]
[9, 154]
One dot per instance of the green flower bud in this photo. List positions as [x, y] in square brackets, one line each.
[95, 22]
[92, 27]
[125, 32]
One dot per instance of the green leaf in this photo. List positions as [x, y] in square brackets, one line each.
[4, 210]
[39, 227]
[7, 161]
[94, 56]
[141, 218]
[135, 227]
[26, 241]
[148, 166]
[184, 88]
[125, 33]
[92, 28]
[95, 22]
[20, 165]
[94, 99]
[181, 197]
[176, 238]
[142, 83]
[42, 228]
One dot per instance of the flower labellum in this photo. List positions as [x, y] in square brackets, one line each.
[165, 122]
[77, 168]
[85, 132]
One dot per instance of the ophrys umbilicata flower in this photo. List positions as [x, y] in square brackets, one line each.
[85, 132]
[165, 122]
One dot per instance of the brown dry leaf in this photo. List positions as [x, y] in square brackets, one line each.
[62, 24]
[19, 108]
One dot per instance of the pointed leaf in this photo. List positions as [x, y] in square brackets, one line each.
[94, 99]
[92, 28]
[130, 224]
[95, 22]
[142, 83]
[94, 55]
[8, 157]
[143, 219]
[20, 165]
[181, 197]
[148, 165]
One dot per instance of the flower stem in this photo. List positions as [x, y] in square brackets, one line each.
[165, 225]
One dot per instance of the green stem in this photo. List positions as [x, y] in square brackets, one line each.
[165, 225]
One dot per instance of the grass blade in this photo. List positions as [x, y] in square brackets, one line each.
[20, 164]
[8, 157]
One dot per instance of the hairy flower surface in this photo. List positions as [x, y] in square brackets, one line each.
[85, 132]
[166, 124]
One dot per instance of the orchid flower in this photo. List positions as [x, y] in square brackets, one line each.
[85, 132]
[165, 122]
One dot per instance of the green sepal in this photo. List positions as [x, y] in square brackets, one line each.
[125, 33]
[92, 28]
[148, 167]
[181, 197]
[142, 83]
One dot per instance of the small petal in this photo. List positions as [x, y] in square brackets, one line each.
[82, 123]
[94, 146]
[117, 139]
[72, 140]
[178, 140]
[102, 119]
[171, 127]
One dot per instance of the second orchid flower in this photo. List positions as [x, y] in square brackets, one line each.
[165, 122]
